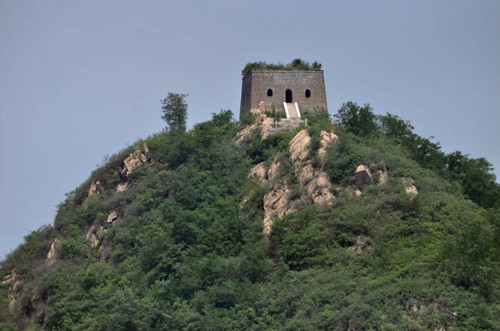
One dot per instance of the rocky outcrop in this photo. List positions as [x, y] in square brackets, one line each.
[305, 174]
[258, 171]
[15, 288]
[133, 161]
[299, 146]
[362, 177]
[276, 203]
[410, 188]
[317, 184]
[112, 217]
[259, 129]
[52, 254]
[122, 187]
[319, 189]
[95, 188]
[92, 235]
[272, 174]
[326, 139]
[40, 309]
[130, 163]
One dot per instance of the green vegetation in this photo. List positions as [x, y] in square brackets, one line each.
[175, 111]
[296, 64]
[187, 250]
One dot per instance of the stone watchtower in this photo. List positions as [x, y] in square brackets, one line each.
[291, 91]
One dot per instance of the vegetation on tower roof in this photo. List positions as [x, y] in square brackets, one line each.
[297, 64]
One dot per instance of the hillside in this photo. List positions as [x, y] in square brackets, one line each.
[352, 224]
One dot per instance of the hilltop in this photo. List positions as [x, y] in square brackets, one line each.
[352, 224]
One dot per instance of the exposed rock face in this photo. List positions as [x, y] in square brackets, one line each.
[411, 191]
[316, 182]
[52, 254]
[92, 234]
[266, 122]
[273, 169]
[306, 174]
[410, 188]
[319, 188]
[299, 146]
[7, 279]
[15, 288]
[249, 132]
[363, 244]
[276, 203]
[122, 187]
[96, 188]
[362, 177]
[39, 306]
[112, 217]
[258, 171]
[132, 161]
[129, 164]
[326, 139]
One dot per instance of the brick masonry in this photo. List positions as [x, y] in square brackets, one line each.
[257, 83]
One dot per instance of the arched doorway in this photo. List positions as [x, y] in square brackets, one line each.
[288, 96]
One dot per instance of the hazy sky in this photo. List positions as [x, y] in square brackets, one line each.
[82, 79]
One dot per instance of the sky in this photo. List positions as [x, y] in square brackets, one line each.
[80, 80]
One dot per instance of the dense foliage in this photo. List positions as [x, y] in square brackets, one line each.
[297, 64]
[175, 111]
[188, 251]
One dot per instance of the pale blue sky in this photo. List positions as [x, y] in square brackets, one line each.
[79, 80]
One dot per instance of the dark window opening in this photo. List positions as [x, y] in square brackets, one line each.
[308, 93]
[288, 96]
[269, 93]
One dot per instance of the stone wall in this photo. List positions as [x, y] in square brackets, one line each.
[256, 84]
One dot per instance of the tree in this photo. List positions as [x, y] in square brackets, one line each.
[358, 120]
[175, 112]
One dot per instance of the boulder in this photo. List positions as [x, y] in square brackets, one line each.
[299, 146]
[411, 191]
[8, 278]
[133, 161]
[95, 188]
[112, 217]
[362, 177]
[410, 188]
[52, 254]
[122, 187]
[130, 163]
[258, 171]
[326, 139]
[91, 235]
